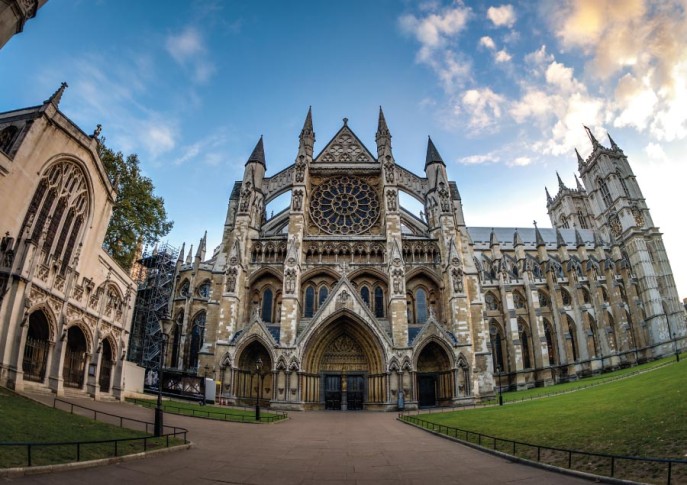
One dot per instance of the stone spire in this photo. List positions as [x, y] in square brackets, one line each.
[598, 242]
[517, 240]
[561, 185]
[57, 95]
[308, 133]
[258, 155]
[180, 259]
[578, 184]
[382, 128]
[560, 242]
[432, 154]
[493, 240]
[614, 146]
[578, 239]
[580, 160]
[189, 256]
[200, 254]
[538, 237]
[592, 138]
[549, 200]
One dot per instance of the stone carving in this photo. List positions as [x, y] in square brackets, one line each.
[344, 205]
[397, 275]
[345, 149]
[457, 275]
[290, 280]
[639, 217]
[443, 196]
[297, 200]
[246, 193]
[391, 199]
[300, 169]
[389, 170]
[616, 226]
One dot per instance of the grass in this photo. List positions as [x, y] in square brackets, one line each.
[640, 416]
[23, 420]
[537, 392]
[220, 413]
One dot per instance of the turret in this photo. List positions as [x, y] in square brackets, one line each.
[383, 137]
[307, 136]
[541, 244]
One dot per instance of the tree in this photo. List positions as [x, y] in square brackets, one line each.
[138, 216]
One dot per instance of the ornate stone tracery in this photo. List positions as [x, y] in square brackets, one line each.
[344, 205]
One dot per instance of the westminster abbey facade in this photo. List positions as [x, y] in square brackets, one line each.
[346, 300]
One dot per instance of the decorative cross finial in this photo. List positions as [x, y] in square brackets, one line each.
[535, 223]
[345, 120]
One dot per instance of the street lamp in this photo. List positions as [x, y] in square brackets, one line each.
[158, 426]
[258, 369]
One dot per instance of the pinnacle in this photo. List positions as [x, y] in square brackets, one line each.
[258, 154]
[57, 95]
[432, 154]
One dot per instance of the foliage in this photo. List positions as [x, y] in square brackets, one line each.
[221, 413]
[138, 216]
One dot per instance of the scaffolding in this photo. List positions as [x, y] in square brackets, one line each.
[154, 273]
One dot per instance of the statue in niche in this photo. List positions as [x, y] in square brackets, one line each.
[232, 273]
[391, 199]
[245, 197]
[297, 200]
[457, 275]
[397, 280]
[290, 277]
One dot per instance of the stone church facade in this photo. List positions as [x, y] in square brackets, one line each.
[65, 305]
[346, 300]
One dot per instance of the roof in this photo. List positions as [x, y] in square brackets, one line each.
[480, 236]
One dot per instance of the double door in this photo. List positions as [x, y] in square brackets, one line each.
[334, 393]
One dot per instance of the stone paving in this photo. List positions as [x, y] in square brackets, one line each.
[309, 448]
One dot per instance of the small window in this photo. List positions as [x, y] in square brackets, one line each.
[204, 290]
[267, 305]
[421, 305]
[324, 292]
[605, 194]
[379, 302]
[309, 308]
[565, 296]
[365, 295]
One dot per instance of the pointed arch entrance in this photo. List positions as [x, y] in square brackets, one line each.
[75, 358]
[344, 367]
[435, 383]
[37, 347]
[106, 365]
[253, 377]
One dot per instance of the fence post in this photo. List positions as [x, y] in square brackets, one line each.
[538, 453]
[569, 459]
[116, 442]
[670, 471]
[29, 451]
[612, 466]
[78, 451]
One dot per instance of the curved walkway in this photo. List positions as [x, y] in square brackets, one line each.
[308, 448]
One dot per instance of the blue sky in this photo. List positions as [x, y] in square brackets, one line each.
[503, 88]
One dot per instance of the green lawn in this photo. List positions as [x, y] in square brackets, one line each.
[643, 415]
[515, 396]
[221, 413]
[23, 420]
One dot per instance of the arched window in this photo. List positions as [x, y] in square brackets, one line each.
[421, 306]
[565, 297]
[525, 342]
[61, 197]
[365, 295]
[544, 300]
[491, 301]
[309, 308]
[605, 194]
[564, 222]
[573, 341]
[185, 288]
[623, 184]
[204, 289]
[582, 219]
[604, 294]
[379, 302]
[267, 300]
[550, 347]
[176, 342]
[197, 337]
[496, 337]
[324, 293]
[518, 300]
[7, 136]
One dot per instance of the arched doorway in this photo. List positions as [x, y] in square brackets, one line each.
[344, 368]
[74, 358]
[37, 347]
[434, 376]
[253, 378]
[106, 364]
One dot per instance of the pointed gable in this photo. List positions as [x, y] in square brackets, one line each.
[345, 147]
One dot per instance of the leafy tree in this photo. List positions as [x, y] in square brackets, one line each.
[138, 216]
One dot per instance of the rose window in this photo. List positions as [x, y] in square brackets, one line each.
[345, 205]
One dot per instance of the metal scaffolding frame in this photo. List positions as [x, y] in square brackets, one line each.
[154, 273]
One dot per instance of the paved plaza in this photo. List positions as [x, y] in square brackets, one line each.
[309, 448]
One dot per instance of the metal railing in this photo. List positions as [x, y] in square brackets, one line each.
[246, 417]
[615, 466]
[120, 446]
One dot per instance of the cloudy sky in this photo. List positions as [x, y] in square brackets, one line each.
[504, 89]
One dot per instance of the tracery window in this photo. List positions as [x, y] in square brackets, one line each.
[204, 289]
[525, 342]
[623, 184]
[197, 337]
[605, 194]
[586, 298]
[565, 296]
[544, 300]
[518, 300]
[582, 219]
[496, 337]
[344, 205]
[491, 302]
[185, 288]
[550, 347]
[62, 197]
[7, 136]
[324, 292]
[365, 295]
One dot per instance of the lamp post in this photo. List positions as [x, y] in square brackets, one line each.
[158, 426]
[258, 369]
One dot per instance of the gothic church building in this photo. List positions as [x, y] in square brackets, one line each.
[346, 300]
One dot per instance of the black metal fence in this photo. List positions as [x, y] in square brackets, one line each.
[49, 453]
[245, 416]
[650, 470]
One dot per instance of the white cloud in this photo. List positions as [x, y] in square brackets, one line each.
[655, 152]
[520, 162]
[502, 56]
[503, 16]
[188, 49]
[487, 42]
[490, 157]
[483, 107]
